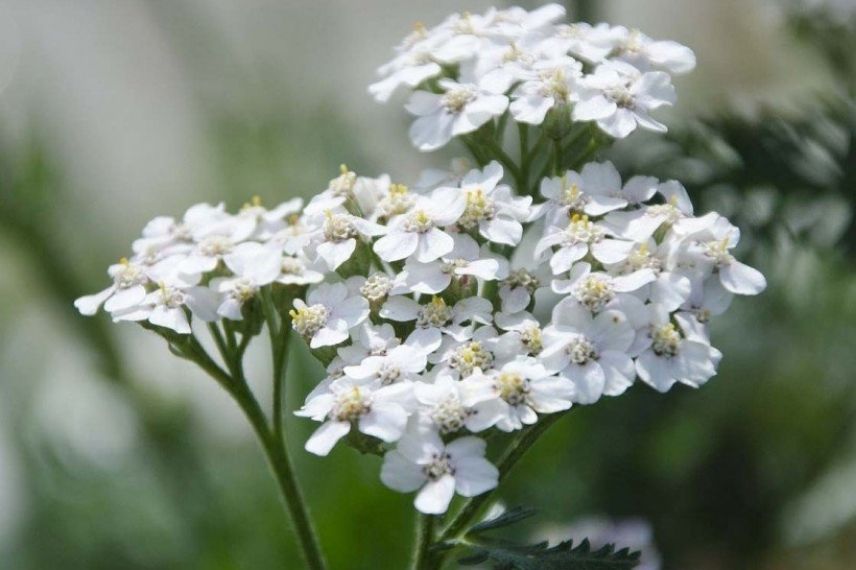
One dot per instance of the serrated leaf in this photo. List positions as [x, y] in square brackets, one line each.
[563, 556]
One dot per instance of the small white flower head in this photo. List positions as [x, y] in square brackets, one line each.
[460, 109]
[402, 363]
[437, 316]
[128, 289]
[422, 461]
[594, 191]
[253, 266]
[490, 208]
[579, 237]
[464, 265]
[590, 351]
[599, 290]
[328, 314]
[637, 49]
[297, 270]
[524, 336]
[710, 248]
[670, 356]
[551, 84]
[640, 224]
[418, 232]
[167, 306]
[441, 405]
[267, 222]
[339, 234]
[380, 412]
[619, 98]
[513, 396]
[466, 356]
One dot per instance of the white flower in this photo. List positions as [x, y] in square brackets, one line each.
[491, 207]
[590, 351]
[379, 412]
[296, 270]
[166, 305]
[254, 265]
[418, 232]
[128, 289]
[460, 109]
[419, 58]
[524, 336]
[463, 263]
[594, 191]
[642, 52]
[268, 222]
[639, 225]
[619, 97]
[711, 249]
[402, 363]
[578, 238]
[437, 316]
[513, 396]
[339, 234]
[707, 298]
[466, 353]
[164, 235]
[441, 405]
[582, 40]
[423, 461]
[672, 357]
[597, 291]
[328, 314]
[553, 83]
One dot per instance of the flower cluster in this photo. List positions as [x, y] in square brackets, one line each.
[473, 302]
[472, 68]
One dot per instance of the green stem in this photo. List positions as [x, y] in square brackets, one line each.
[424, 538]
[280, 368]
[283, 470]
[512, 454]
[273, 447]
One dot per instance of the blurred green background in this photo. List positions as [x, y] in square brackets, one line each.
[116, 455]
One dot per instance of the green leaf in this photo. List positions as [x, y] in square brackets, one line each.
[506, 518]
[563, 556]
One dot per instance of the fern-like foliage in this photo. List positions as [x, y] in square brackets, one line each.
[563, 556]
[502, 554]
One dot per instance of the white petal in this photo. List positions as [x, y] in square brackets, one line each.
[401, 474]
[326, 436]
[741, 279]
[89, 304]
[435, 496]
[385, 422]
[125, 298]
[396, 245]
[611, 250]
[174, 319]
[474, 476]
[433, 244]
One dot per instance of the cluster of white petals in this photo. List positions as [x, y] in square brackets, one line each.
[467, 304]
[471, 68]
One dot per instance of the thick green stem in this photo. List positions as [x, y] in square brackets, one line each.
[424, 538]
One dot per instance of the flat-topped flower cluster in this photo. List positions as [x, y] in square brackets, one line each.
[472, 68]
[466, 305]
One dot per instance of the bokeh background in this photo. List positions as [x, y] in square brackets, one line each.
[115, 455]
